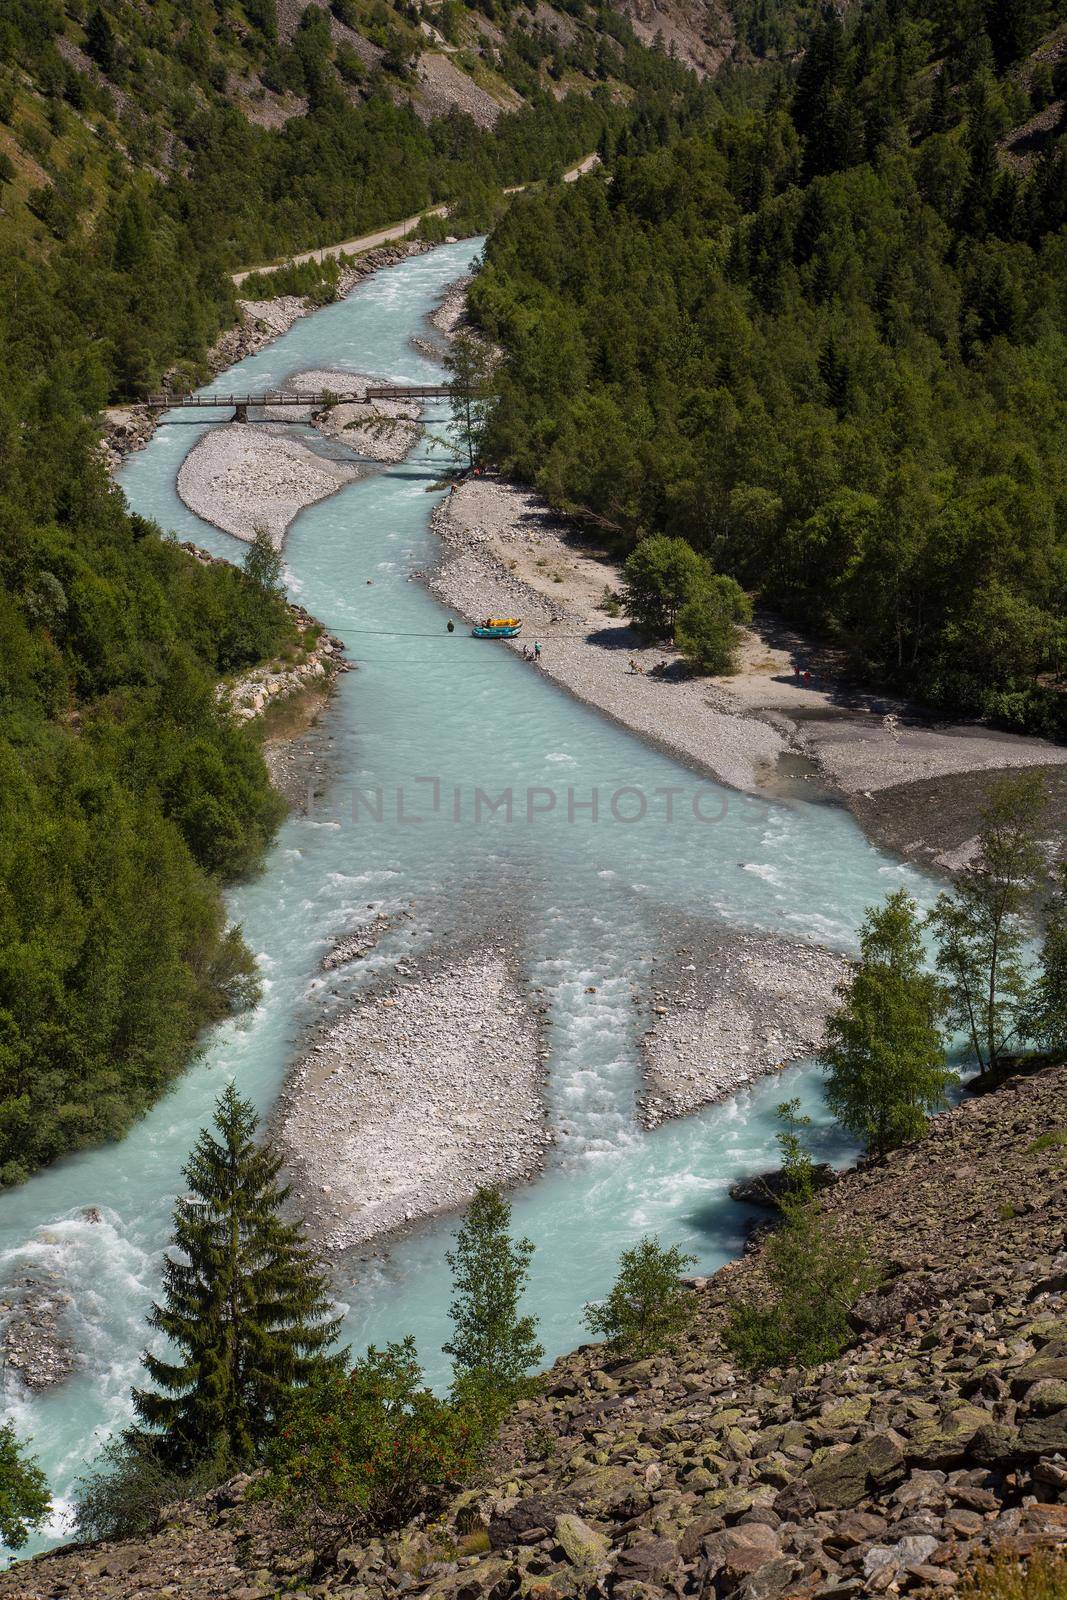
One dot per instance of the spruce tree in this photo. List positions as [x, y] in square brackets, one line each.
[245, 1305]
[884, 1057]
[493, 1347]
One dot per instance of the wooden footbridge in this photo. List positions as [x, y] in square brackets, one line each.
[318, 400]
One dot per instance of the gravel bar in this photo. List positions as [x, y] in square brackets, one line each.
[409, 1102]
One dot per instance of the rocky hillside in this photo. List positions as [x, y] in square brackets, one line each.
[940, 1437]
[92, 92]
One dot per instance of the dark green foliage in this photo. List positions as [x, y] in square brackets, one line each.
[659, 578]
[980, 924]
[100, 39]
[1045, 1016]
[245, 1306]
[825, 345]
[493, 1347]
[707, 630]
[813, 1273]
[127, 1486]
[127, 794]
[365, 1450]
[24, 1498]
[885, 1063]
[648, 1308]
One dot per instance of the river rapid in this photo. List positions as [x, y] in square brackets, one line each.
[429, 719]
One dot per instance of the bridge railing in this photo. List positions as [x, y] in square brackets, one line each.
[321, 398]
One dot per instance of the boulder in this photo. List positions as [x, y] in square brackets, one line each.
[944, 1442]
[1044, 1435]
[649, 1562]
[584, 1546]
[514, 1525]
[843, 1478]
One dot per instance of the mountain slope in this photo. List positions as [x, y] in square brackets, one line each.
[939, 1438]
[825, 343]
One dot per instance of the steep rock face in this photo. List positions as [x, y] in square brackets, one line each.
[942, 1435]
[699, 33]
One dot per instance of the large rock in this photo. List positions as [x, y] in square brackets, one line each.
[584, 1546]
[944, 1442]
[515, 1524]
[1045, 1435]
[843, 1479]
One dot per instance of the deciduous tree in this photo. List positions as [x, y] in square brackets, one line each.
[980, 924]
[493, 1345]
[884, 1058]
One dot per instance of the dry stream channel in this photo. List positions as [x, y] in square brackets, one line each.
[585, 905]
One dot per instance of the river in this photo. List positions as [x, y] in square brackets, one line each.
[591, 897]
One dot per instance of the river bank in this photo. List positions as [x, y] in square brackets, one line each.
[761, 730]
[126, 429]
[933, 1443]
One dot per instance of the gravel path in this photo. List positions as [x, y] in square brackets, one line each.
[421, 1093]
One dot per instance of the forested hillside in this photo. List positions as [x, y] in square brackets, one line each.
[146, 150]
[826, 342]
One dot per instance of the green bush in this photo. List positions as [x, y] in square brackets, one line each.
[707, 630]
[24, 1498]
[648, 1308]
[659, 578]
[367, 1449]
[122, 1494]
[814, 1275]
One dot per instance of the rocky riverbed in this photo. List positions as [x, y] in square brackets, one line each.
[381, 430]
[242, 479]
[938, 1440]
[430, 1086]
[726, 1007]
[35, 1345]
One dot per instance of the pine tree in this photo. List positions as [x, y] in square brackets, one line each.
[245, 1304]
[493, 1347]
[884, 1057]
[100, 40]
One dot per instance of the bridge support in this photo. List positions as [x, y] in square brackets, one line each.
[240, 413]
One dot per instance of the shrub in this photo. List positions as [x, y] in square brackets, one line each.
[123, 1493]
[707, 631]
[1042, 1577]
[368, 1449]
[659, 577]
[24, 1501]
[648, 1308]
[814, 1277]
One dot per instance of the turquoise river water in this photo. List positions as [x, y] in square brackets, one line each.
[591, 899]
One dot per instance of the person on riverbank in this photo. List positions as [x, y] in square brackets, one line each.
[537, 652]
